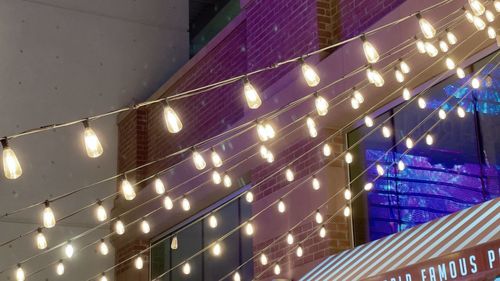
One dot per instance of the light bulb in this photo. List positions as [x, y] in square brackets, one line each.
[186, 206]
[442, 114]
[476, 83]
[261, 132]
[443, 46]
[48, 217]
[174, 124]
[289, 175]
[492, 34]
[409, 143]
[322, 232]
[460, 112]
[311, 126]
[479, 23]
[198, 160]
[127, 190]
[270, 131]
[452, 39]
[405, 68]
[371, 53]
[174, 244]
[92, 144]
[168, 203]
[348, 158]
[216, 249]
[386, 132]
[400, 77]
[427, 29]
[310, 75]
[289, 239]
[186, 268]
[60, 268]
[212, 221]
[354, 103]
[450, 64]
[347, 194]
[119, 227]
[299, 252]
[251, 95]
[11, 167]
[216, 177]
[401, 165]
[100, 212]
[41, 241]
[421, 103]
[249, 229]
[327, 149]
[490, 17]
[263, 259]
[375, 78]
[263, 151]
[103, 278]
[20, 276]
[236, 277]
[270, 157]
[159, 186]
[139, 263]
[227, 180]
[145, 228]
[380, 170]
[216, 159]
[368, 121]
[318, 217]
[69, 250]
[281, 206]
[477, 8]
[249, 197]
[103, 248]
[497, 5]
[277, 269]
[460, 73]
[468, 15]
[358, 96]
[406, 94]
[347, 211]
[368, 186]
[429, 140]
[321, 105]
[431, 50]
[315, 183]
[420, 46]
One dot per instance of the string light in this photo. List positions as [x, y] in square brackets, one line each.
[212, 221]
[92, 144]
[265, 131]
[48, 217]
[401, 165]
[103, 248]
[103, 277]
[460, 112]
[405, 68]
[386, 132]
[321, 105]
[380, 170]
[479, 23]
[368, 121]
[277, 269]
[476, 83]
[354, 103]
[443, 46]
[216, 159]
[450, 36]
[168, 203]
[145, 228]
[496, 3]
[318, 217]
[490, 17]
[400, 77]
[289, 238]
[236, 277]
[311, 126]
[347, 194]
[119, 227]
[368, 186]
[460, 73]
[374, 77]
[406, 94]
[426, 27]
[186, 206]
[310, 75]
[431, 50]
[358, 95]
[249, 197]
[127, 190]
[227, 180]
[347, 211]
[477, 8]
[289, 175]
[299, 252]
[281, 206]
[60, 268]
[263, 259]
[348, 158]
[100, 212]
[69, 250]
[371, 53]
[315, 183]
[429, 140]
[422, 103]
[327, 149]
[270, 157]
[450, 64]
[174, 124]
[174, 244]
[198, 160]
[251, 95]
[11, 167]
[249, 229]
[186, 268]
[322, 232]
[139, 263]
[20, 276]
[409, 143]
[216, 249]
[492, 34]
[41, 241]
[468, 15]
[442, 114]
[263, 151]
[420, 46]
[159, 186]
[216, 177]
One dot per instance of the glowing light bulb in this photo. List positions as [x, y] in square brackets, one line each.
[277, 269]
[358, 96]
[100, 212]
[263, 259]
[496, 3]
[311, 126]
[236, 277]
[212, 221]
[406, 94]
[429, 140]
[354, 103]
[348, 158]
[198, 160]
[270, 157]
[386, 132]
[145, 228]
[492, 34]
[347, 211]
[186, 268]
[216, 177]
[405, 68]
[409, 143]
[420, 46]
[251, 95]
[281, 206]
[443, 46]
[371, 53]
[174, 244]
[261, 132]
[476, 83]
[400, 77]
[401, 165]
[159, 186]
[60, 268]
[168, 203]
[263, 151]
[270, 131]
[322, 232]
[186, 206]
[427, 29]
[227, 180]
[216, 159]
[368, 186]
[450, 36]
[368, 121]
[216, 249]
[380, 170]
[460, 112]
[318, 217]
[375, 78]
[468, 15]
[69, 250]
[450, 64]
[442, 114]
[299, 252]
[315, 183]
[327, 149]
[479, 23]
[103, 278]
[48, 217]
[460, 73]
[289, 175]
[41, 241]
[127, 190]
[92, 144]
[20, 276]
[249, 197]
[249, 229]
[139, 263]
[174, 124]
[431, 50]
[321, 105]
[11, 167]
[347, 194]
[119, 227]
[289, 239]
[490, 17]
[310, 75]
[477, 8]
[421, 103]
[103, 248]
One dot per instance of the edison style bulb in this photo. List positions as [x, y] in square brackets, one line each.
[263, 259]
[159, 186]
[368, 186]
[421, 103]
[354, 103]
[380, 170]
[103, 248]
[315, 183]
[496, 3]
[216, 159]
[289, 175]
[400, 77]
[409, 143]
[174, 244]
[358, 96]
[277, 269]
[281, 206]
[375, 78]
[11, 167]
[452, 39]
[289, 238]
[48, 217]
[216, 249]
[198, 160]
[251, 95]
[386, 132]
[60, 268]
[168, 203]
[20, 276]
[101, 213]
[270, 157]
[460, 73]
[468, 15]
[227, 180]
[368, 121]
[311, 126]
[321, 105]
[139, 263]
[405, 68]
[431, 50]
[442, 114]
[490, 17]
[476, 83]
[92, 144]
[216, 177]
[492, 34]
[420, 46]
[299, 252]
[249, 197]
[236, 277]
[427, 29]
[41, 241]
[127, 190]
[460, 112]
[406, 94]
[401, 165]
[69, 250]
[174, 124]
[145, 228]
[347, 194]
[322, 232]
[443, 46]
[318, 217]
[103, 278]
[327, 149]
[186, 206]
[119, 227]
[270, 131]
[479, 23]
[450, 64]
[186, 268]
[348, 158]
[212, 221]
[261, 132]
[347, 211]
[371, 53]
[429, 140]
[310, 75]
[477, 8]
[249, 229]
[263, 151]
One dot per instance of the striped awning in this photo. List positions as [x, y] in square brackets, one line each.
[451, 234]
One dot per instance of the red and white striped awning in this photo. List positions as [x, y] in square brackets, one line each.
[451, 234]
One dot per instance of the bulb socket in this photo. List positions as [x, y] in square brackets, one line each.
[5, 143]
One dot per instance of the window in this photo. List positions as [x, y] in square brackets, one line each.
[459, 170]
